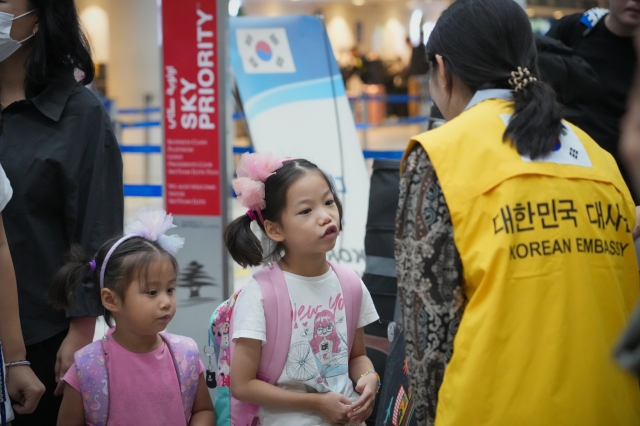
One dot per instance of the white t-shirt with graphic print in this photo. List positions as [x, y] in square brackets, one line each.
[318, 359]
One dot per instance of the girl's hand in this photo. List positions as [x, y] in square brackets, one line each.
[367, 387]
[333, 408]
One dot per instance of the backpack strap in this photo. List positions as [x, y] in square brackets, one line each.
[186, 360]
[352, 293]
[591, 17]
[278, 318]
[94, 383]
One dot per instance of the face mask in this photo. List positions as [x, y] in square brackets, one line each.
[8, 46]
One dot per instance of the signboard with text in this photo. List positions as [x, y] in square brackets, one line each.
[194, 169]
[192, 145]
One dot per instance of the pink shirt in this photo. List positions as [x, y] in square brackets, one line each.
[143, 388]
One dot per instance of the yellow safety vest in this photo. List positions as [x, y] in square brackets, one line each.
[550, 275]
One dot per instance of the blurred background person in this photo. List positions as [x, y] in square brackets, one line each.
[628, 350]
[605, 42]
[59, 151]
[630, 138]
[417, 79]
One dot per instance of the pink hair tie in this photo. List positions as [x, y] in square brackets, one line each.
[252, 171]
[252, 215]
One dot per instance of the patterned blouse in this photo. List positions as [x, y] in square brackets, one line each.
[430, 284]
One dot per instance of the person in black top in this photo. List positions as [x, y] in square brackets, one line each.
[418, 64]
[606, 44]
[59, 151]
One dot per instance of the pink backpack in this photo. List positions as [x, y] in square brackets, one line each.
[279, 317]
[94, 377]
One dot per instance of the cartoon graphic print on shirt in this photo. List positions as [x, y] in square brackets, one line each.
[329, 349]
[319, 349]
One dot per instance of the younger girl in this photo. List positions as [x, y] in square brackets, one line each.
[296, 206]
[149, 379]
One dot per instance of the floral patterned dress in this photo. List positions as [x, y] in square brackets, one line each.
[430, 286]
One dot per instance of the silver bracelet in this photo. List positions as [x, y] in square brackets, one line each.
[17, 363]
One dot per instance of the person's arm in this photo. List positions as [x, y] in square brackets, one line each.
[360, 372]
[202, 413]
[333, 407]
[22, 384]
[71, 410]
[429, 285]
[630, 137]
[94, 212]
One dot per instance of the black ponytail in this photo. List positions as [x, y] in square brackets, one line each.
[67, 280]
[536, 124]
[243, 245]
[482, 42]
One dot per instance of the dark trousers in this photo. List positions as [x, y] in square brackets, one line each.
[42, 356]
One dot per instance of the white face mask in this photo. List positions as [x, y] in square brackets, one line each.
[8, 46]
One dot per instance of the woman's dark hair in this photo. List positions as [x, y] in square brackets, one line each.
[60, 45]
[482, 42]
[130, 260]
[242, 243]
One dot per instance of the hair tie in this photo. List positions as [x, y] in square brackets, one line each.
[521, 78]
[151, 225]
[252, 215]
[92, 265]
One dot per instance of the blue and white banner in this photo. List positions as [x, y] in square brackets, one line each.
[296, 106]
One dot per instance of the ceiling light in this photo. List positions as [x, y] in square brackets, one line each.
[414, 27]
[234, 7]
[558, 14]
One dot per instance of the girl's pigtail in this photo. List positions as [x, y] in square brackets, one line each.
[69, 277]
[242, 243]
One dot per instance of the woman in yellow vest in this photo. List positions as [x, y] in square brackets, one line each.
[515, 260]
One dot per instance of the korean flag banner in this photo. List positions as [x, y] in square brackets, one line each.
[265, 51]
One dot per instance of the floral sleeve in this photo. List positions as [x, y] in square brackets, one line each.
[429, 280]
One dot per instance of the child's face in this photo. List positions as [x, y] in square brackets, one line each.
[150, 301]
[310, 222]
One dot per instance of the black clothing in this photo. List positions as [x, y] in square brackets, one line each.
[418, 64]
[571, 77]
[613, 59]
[42, 356]
[372, 71]
[60, 153]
